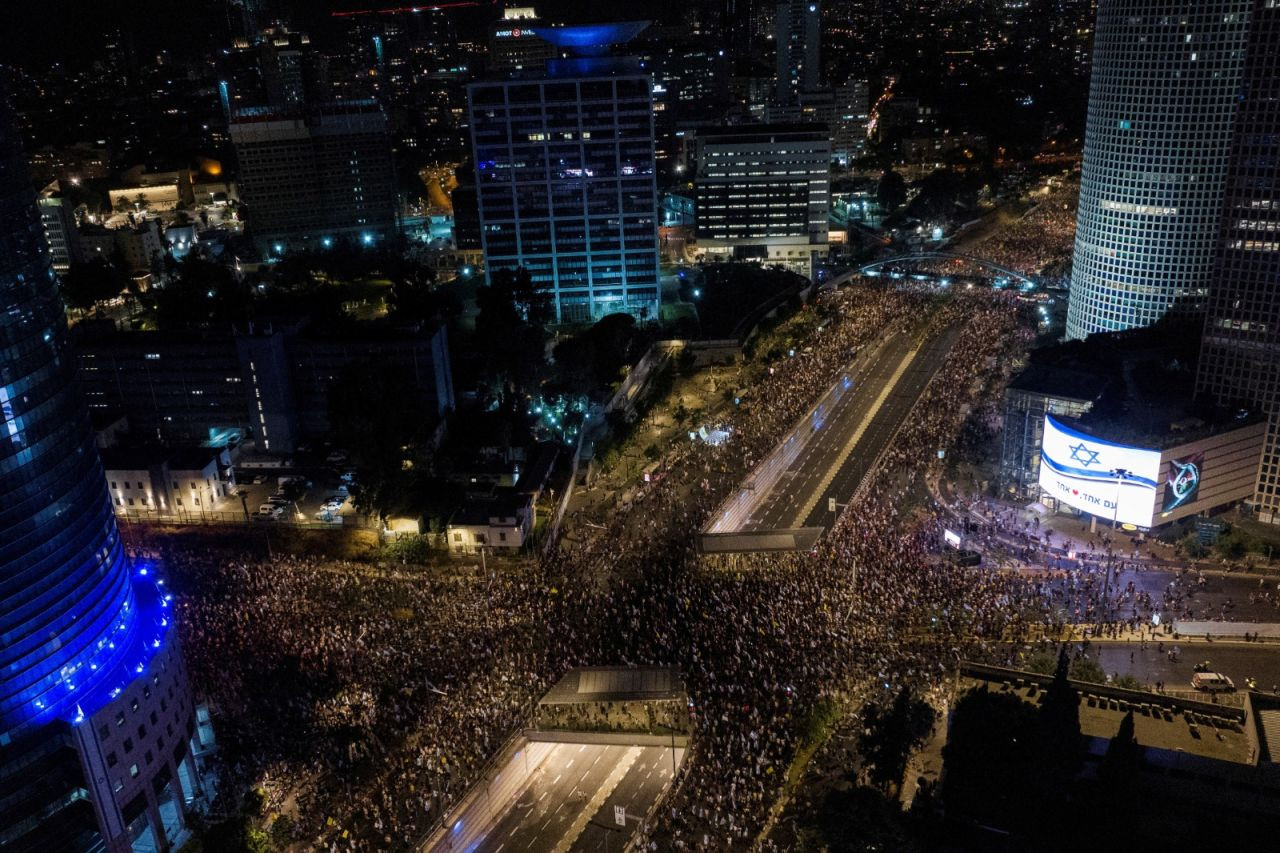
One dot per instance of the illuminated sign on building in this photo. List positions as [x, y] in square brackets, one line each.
[1111, 481]
[1182, 485]
[514, 33]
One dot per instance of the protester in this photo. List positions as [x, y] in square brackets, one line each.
[365, 699]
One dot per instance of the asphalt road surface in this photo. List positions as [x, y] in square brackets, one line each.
[822, 470]
[1152, 664]
[567, 798]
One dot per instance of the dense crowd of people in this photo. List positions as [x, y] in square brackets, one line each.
[365, 699]
[1040, 240]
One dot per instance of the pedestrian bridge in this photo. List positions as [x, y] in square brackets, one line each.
[882, 267]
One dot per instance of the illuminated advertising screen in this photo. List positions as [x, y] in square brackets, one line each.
[1182, 484]
[1111, 481]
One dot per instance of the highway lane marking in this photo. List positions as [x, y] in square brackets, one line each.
[857, 436]
[598, 799]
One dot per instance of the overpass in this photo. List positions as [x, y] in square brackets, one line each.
[877, 267]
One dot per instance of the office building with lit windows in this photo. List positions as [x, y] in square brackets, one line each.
[1240, 354]
[309, 180]
[100, 744]
[1158, 140]
[797, 40]
[763, 192]
[564, 163]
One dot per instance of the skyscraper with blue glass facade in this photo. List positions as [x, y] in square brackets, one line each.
[565, 176]
[83, 634]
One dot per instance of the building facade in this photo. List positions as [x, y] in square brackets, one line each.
[1162, 107]
[566, 185]
[514, 43]
[797, 39]
[764, 192]
[60, 231]
[1240, 357]
[88, 638]
[1034, 393]
[270, 383]
[309, 180]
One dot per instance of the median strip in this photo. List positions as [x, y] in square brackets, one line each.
[818, 493]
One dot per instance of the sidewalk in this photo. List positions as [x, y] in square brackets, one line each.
[1220, 633]
[1066, 538]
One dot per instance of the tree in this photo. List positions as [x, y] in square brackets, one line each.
[1128, 682]
[862, 819]
[509, 331]
[989, 759]
[1058, 747]
[201, 293]
[891, 735]
[376, 413]
[1115, 794]
[412, 298]
[84, 285]
[594, 357]
[891, 192]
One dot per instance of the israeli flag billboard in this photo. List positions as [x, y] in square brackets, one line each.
[1109, 480]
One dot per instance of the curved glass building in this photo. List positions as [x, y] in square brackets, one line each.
[81, 631]
[1162, 105]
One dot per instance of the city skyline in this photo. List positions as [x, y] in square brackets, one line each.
[717, 426]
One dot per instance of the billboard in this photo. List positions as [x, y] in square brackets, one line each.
[1109, 480]
[1182, 485]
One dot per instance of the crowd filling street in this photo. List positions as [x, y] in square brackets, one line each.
[364, 699]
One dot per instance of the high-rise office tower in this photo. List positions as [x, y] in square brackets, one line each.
[1240, 355]
[307, 181]
[96, 718]
[1162, 105]
[796, 38]
[565, 176]
[514, 43]
[293, 73]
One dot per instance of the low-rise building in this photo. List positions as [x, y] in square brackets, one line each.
[1213, 757]
[504, 522]
[161, 481]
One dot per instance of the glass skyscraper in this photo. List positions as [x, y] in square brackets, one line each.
[565, 177]
[1240, 356]
[1162, 106]
[84, 636]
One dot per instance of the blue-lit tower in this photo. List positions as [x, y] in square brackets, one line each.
[565, 174]
[96, 718]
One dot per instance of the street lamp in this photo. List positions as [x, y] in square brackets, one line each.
[1119, 474]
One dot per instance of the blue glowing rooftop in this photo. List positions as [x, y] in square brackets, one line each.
[592, 39]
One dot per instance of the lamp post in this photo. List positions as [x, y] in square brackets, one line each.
[1120, 474]
[672, 731]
